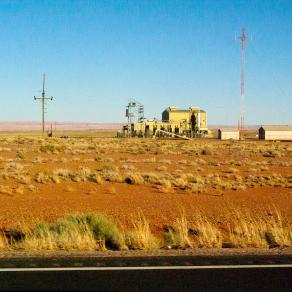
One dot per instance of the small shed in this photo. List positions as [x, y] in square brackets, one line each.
[283, 132]
[228, 133]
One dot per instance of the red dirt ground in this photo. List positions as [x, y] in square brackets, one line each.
[121, 201]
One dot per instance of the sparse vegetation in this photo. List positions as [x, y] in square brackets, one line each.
[202, 233]
[51, 148]
[53, 177]
[96, 232]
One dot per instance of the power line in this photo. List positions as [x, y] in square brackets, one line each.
[43, 100]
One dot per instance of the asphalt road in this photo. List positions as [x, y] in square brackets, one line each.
[186, 273]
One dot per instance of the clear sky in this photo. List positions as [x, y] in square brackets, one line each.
[98, 54]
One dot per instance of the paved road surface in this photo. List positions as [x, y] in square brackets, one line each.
[148, 274]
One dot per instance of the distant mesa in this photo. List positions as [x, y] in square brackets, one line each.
[36, 126]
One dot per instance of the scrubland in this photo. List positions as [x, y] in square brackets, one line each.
[107, 193]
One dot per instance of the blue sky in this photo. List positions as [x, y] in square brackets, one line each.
[98, 54]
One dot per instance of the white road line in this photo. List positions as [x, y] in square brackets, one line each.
[59, 269]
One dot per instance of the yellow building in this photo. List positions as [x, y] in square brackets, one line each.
[189, 122]
[193, 116]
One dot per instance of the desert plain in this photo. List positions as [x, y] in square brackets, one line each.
[160, 193]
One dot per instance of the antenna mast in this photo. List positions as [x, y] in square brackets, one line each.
[43, 100]
[242, 81]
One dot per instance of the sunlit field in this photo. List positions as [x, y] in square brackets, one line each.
[97, 192]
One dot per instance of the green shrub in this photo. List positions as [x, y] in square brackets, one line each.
[51, 148]
[105, 229]
[93, 231]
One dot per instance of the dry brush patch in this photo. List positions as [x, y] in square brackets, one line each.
[249, 230]
[186, 156]
[200, 233]
[79, 232]
[96, 232]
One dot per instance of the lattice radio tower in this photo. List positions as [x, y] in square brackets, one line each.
[43, 100]
[242, 81]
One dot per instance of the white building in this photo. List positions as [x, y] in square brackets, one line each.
[283, 132]
[228, 133]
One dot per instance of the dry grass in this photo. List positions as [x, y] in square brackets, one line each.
[96, 178]
[165, 186]
[245, 231]
[6, 190]
[134, 179]
[4, 245]
[77, 237]
[96, 232]
[260, 231]
[201, 233]
[140, 237]
[111, 154]
[206, 234]
[42, 177]
[111, 175]
[178, 235]
[280, 229]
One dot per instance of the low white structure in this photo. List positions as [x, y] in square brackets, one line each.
[283, 132]
[228, 133]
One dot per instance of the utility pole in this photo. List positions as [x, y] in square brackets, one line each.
[43, 100]
[242, 81]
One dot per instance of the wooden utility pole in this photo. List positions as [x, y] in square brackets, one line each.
[43, 100]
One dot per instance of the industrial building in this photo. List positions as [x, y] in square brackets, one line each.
[228, 133]
[191, 122]
[283, 132]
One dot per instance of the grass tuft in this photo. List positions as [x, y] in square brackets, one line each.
[178, 236]
[81, 232]
[140, 237]
[134, 179]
